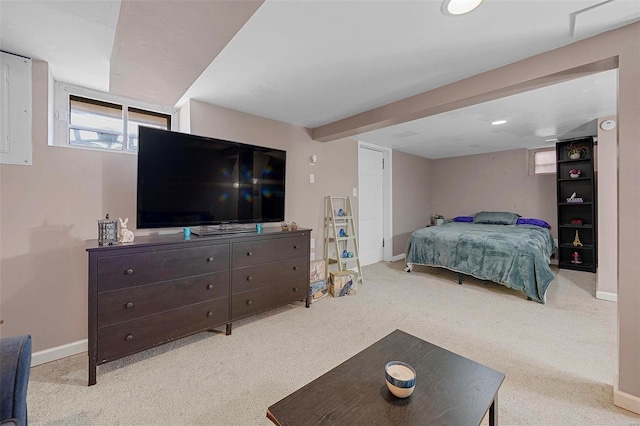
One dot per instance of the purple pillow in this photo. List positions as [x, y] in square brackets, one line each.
[531, 221]
[467, 219]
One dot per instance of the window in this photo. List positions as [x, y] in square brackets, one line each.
[543, 161]
[95, 124]
[91, 119]
[140, 117]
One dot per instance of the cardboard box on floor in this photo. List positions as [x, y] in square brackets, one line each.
[342, 283]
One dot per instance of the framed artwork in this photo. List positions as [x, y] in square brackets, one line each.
[317, 271]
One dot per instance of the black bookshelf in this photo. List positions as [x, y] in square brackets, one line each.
[577, 217]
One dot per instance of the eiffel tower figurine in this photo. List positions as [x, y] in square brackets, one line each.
[576, 240]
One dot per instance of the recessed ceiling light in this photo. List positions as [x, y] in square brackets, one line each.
[459, 7]
[498, 122]
[551, 140]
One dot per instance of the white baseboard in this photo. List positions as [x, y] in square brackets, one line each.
[625, 400]
[612, 297]
[398, 257]
[48, 355]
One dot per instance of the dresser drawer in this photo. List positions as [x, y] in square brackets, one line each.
[136, 302]
[255, 301]
[262, 251]
[116, 272]
[132, 336]
[253, 277]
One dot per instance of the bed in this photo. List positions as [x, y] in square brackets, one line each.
[508, 253]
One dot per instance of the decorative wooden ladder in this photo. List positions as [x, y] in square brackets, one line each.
[340, 236]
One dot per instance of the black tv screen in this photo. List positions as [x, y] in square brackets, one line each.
[188, 180]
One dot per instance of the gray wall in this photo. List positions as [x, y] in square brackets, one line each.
[497, 181]
[49, 209]
[413, 191]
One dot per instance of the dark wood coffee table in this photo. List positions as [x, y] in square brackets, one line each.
[450, 389]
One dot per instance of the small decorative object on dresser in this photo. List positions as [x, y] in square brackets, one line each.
[126, 236]
[294, 226]
[284, 226]
[107, 231]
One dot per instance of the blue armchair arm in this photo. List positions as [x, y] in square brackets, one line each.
[15, 365]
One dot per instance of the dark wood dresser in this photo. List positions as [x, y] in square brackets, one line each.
[161, 288]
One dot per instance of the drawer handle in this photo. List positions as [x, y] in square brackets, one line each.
[210, 259]
[210, 286]
[249, 278]
[295, 289]
[295, 247]
[249, 302]
[129, 337]
[129, 271]
[295, 268]
[209, 314]
[249, 253]
[129, 305]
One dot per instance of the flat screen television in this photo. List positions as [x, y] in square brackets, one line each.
[189, 180]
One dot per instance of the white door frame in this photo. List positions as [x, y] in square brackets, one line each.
[387, 199]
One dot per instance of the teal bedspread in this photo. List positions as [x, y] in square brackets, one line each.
[516, 256]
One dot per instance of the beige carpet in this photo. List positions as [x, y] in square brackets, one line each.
[559, 358]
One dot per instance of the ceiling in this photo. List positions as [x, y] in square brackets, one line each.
[313, 62]
[535, 119]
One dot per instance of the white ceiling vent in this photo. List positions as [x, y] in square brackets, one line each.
[405, 134]
[608, 14]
